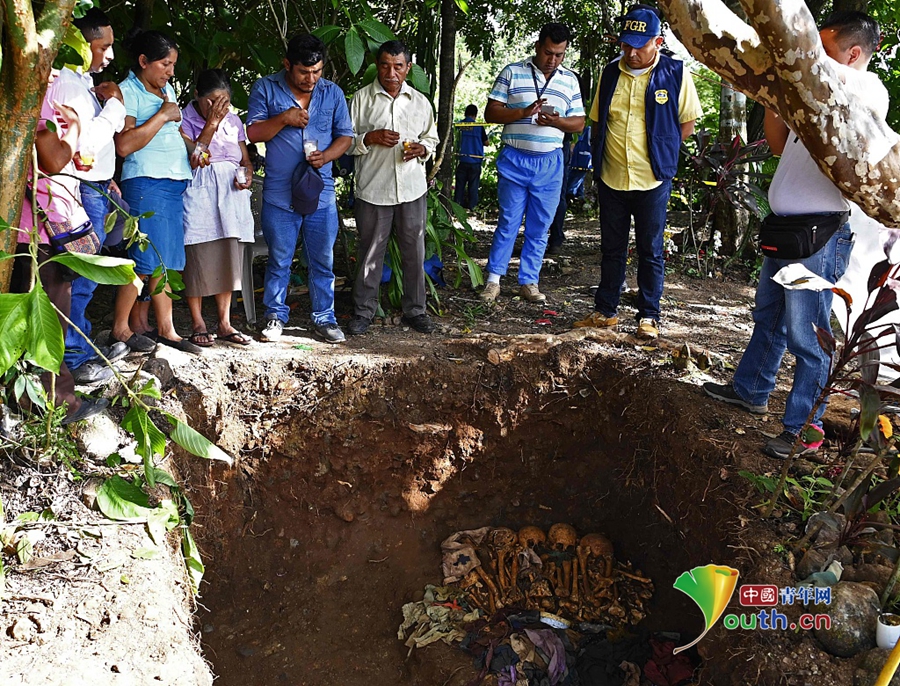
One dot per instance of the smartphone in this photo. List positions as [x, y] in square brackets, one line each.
[548, 109]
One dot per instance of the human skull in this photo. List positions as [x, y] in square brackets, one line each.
[503, 539]
[562, 537]
[531, 537]
[597, 545]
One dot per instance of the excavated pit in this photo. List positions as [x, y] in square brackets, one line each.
[333, 518]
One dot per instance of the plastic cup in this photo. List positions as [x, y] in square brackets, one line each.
[310, 146]
[88, 156]
[240, 175]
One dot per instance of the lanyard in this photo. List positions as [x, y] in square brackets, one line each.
[540, 92]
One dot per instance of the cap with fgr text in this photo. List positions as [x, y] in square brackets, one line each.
[638, 27]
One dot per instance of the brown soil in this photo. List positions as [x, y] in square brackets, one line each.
[354, 462]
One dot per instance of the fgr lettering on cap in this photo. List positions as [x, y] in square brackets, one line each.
[635, 26]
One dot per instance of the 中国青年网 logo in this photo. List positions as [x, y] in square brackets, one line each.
[712, 586]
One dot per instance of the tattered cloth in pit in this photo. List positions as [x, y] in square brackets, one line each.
[459, 556]
[431, 620]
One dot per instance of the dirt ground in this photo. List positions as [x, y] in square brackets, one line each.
[353, 462]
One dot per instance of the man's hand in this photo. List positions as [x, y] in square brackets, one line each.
[384, 137]
[108, 90]
[316, 159]
[296, 117]
[412, 150]
[534, 108]
[114, 187]
[544, 119]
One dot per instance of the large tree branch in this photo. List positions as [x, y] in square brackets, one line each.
[779, 61]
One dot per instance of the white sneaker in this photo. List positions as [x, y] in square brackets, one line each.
[272, 330]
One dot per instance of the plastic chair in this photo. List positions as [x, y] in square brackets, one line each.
[252, 251]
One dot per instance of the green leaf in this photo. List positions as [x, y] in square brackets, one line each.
[150, 440]
[113, 460]
[194, 442]
[188, 509]
[24, 549]
[418, 79]
[122, 500]
[175, 281]
[370, 74]
[376, 30]
[14, 308]
[463, 5]
[113, 271]
[162, 519]
[110, 222]
[354, 49]
[327, 34]
[192, 560]
[27, 517]
[44, 344]
[869, 404]
[161, 476]
[145, 553]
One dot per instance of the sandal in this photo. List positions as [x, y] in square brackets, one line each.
[207, 339]
[235, 338]
[182, 344]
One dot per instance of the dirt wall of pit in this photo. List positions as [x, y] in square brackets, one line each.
[349, 475]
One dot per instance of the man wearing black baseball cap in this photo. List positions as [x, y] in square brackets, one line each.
[645, 105]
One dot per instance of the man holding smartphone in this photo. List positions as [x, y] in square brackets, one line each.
[537, 101]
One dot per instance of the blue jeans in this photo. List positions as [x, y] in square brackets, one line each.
[528, 186]
[781, 321]
[77, 350]
[649, 211]
[468, 179]
[282, 229]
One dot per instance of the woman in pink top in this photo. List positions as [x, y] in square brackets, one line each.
[58, 199]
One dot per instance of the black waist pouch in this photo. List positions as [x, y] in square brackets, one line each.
[799, 235]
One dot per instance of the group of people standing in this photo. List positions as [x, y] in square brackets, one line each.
[188, 171]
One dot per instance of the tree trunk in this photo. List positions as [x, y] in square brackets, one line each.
[446, 92]
[779, 61]
[29, 46]
[731, 220]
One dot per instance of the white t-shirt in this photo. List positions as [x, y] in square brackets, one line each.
[799, 186]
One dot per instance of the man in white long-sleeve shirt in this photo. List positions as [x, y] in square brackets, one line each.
[101, 110]
[395, 135]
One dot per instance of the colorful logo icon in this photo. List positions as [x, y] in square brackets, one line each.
[711, 587]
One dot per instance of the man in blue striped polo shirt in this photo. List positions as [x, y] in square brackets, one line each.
[537, 101]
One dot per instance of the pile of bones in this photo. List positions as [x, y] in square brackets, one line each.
[579, 580]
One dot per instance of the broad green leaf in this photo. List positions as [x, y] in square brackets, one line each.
[354, 49]
[175, 281]
[195, 443]
[369, 75]
[146, 553]
[28, 517]
[188, 509]
[110, 222]
[24, 549]
[376, 30]
[122, 500]
[99, 268]
[161, 476]
[328, 33]
[162, 519]
[418, 79]
[869, 404]
[3, 254]
[13, 326]
[192, 560]
[44, 344]
[150, 440]
[463, 5]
